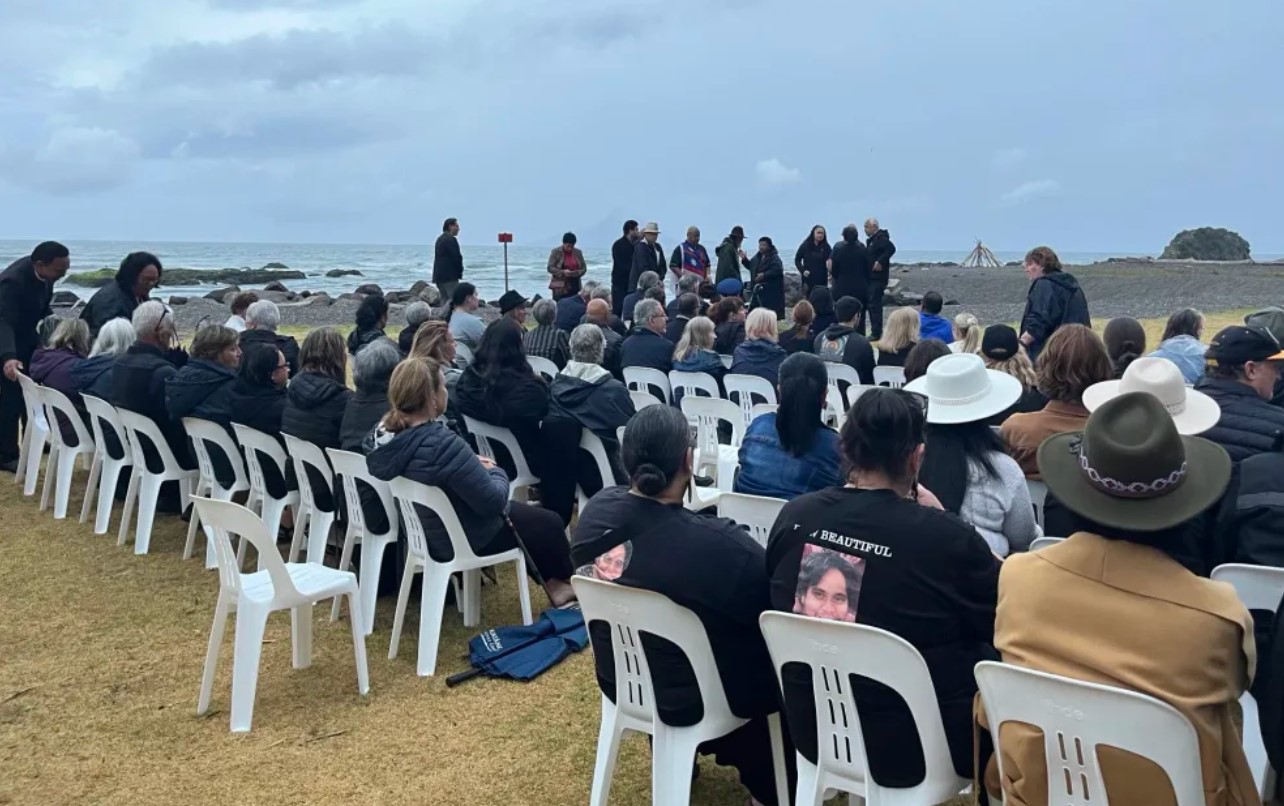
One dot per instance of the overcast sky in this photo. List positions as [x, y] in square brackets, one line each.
[1093, 125]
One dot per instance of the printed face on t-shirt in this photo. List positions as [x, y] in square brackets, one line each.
[828, 584]
[609, 565]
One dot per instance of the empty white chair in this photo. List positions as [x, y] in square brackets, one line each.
[645, 379]
[547, 369]
[890, 376]
[742, 390]
[310, 519]
[1044, 542]
[1038, 497]
[486, 434]
[837, 651]
[34, 435]
[840, 376]
[145, 485]
[432, 597]
[642, 399]
[463, 354]
[351, 468]
[1259, 588]
[705, 413]
[630, 612]
[205, 434]
[62, 457]
[259, 446]
[591, 443]
[104, 473]
[278, 586]
[1076, 717]
[756, 512]
[692, 382]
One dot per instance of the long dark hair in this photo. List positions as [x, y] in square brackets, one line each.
[822, 300]
[258, 362]
[371, 311]
[803, 381]
[656, 441]
[882, 432]
[810, 245]
[1186, 322]
[1125, 342]
[462, 292]
[950, 451]
[133, 265]
[499, 353]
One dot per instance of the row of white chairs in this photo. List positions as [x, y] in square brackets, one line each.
[1088, 715]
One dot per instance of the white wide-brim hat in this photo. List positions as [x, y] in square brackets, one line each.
[1193, 412]
[651, 226]
[959, 389]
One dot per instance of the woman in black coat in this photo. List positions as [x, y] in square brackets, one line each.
[500, 388]
[768, 274]
[202, 388]
[317, 399]
[139, 273]
[257, 400]
[812, 260]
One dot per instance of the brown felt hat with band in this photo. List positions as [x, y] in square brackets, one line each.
[1130, 469]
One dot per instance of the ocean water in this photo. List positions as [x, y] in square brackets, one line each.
[393, 267]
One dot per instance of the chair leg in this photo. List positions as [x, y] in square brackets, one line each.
[62, 490]
[779, 770]
[95, 471]
[432, 607]
[372, 563]
[608, 750]
[201, 489]
[146, 516]
[672, 757]
[809, 791]
[301, 517]
[345, 560]
[403, 598]
[250, 625]
[50, 471]
[131, 498]
[211, 654]
[357, 617]
[36, 453]
[524, 589]
[472, 598]
[24, 453]
[301, 635]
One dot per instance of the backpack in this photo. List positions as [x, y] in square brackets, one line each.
[833, 350]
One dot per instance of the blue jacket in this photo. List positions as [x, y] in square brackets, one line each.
[1187, 352]
[759, 357]
[570, 310]
[1249, 425]
[766, 468]
[646, 348]
[934, 326]
[706, 361]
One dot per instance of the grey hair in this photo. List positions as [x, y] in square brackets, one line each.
[417, 313]
[600, 292]
[644, 310]
[373, 365]
[587, 344]
[264, 315]
[647, 279]
[588, 288]
[688, 283]
[114, 338]
[147, 319]
[544, 311]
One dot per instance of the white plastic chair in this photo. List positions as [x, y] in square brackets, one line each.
[485, 434]
[642, 399]
[757, 512]
[1043, 542]
[840, 374]
[1076, 717]
[34, 435]
[62, 457]
[690, 382]
[644, 379]
[761, 409]
[835, 651]
[257, 445]
[351, 468]
[104, 473]
[705, 413]
[432, 596]
[310, 519]
[630, 612]
[278, 586]
[463, 354]
[593, 444]
[891, 376]
[727, 360]
[547, 369]
[1259, 588]
[1038, 497]
[203, 434]
[144, 485]
[741, 390]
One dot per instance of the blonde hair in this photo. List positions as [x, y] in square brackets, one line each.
[1018, 366]
[210, 342]
[72, 334]
[761, 324]
[697, 336]
[413, 388]
[968, 333]
[430, 341]
[901, 331]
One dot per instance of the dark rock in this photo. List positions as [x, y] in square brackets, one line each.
[431, 295]
[320, 298]
[397, 297]
[222, 295]
[305, 293]
[418, 288]
[173, 277]
[64, 299]
[271, 266]
[368, 289]
[178, 300]
[278, 296]
[793, 289]
[343, 273]
[951, 302]
[352, 297]
[275, 285]
[1019, 263]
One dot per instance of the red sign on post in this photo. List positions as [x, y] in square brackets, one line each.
[505, 237]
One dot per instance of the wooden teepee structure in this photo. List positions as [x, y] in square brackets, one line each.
[981, 256]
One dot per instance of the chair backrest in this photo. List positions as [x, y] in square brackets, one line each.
[840, 376]
[408, 494]
[692, 382]
[1076, 717]
[1038, 497]
[304, 455]
[891, 376]
[836, 651]
[257, 444]
[224, 519]
[756, 512]
[140, 425]
[204, 433]
[761, 409]
[33, 401]
[593, 444]
[642, 399]
[485, 434]
[705, 413]
[1044, 542]
[543, 366]
[644, 379]
[57, 402]
[742, 389]
[100, 411]
[630, 612]
[463, 353]
[1259, 587]
[350, 468]
[727, 360]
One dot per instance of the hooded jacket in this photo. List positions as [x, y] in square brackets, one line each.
[1053, 300]
[261, 408]
[314, 407]
[362, 413]
[52, 368]
[706, 361]
[729, 261]
[851, 267]
[771, 288]
[1187, 352]
[728, 336]
[760, 357]
[582, 396]
[1249, 425]
[138, 382]
[880, 249]
[93, 376]
[842, 340]
[360, 338]
[203, 389]
[810, 260]
[112, 301]
[286, 344]
[935, 326]
[518, 402]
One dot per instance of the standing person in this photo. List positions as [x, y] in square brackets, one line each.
[731, 256]
[1054, 299]
[648, 255]
[768, 274]
[812, 260]
[880, 250]
[262, 319]
[689, 257]
[622, 281]
[448, 262]
[566, 266]
[240, 304]
[849, 270]
[139, 273]
[465, 325]
[26, 287]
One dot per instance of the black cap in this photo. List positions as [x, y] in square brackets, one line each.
[1237, 344]
[511, 300]
[1000, 342]
[737, 232]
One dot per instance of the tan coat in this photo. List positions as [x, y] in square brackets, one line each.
[564, 283]
[1127, 615]
[1024, 433]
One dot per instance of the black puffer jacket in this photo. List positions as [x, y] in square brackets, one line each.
[109, 302]
[203, 390]
[364, 411]
[138, 384]
[1249, 425]
[519, 402]
[881, 249]
[433, 454]
[93, 377]
[286, 344]
[261, 408]
[314, 407]
[1052, 301]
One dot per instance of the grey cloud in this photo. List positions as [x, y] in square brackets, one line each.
[73, 160]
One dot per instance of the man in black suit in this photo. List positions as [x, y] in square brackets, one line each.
[448, 261]
[880, 249]
[622, 264]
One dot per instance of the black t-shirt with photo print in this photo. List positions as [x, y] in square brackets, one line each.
[873, 558]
